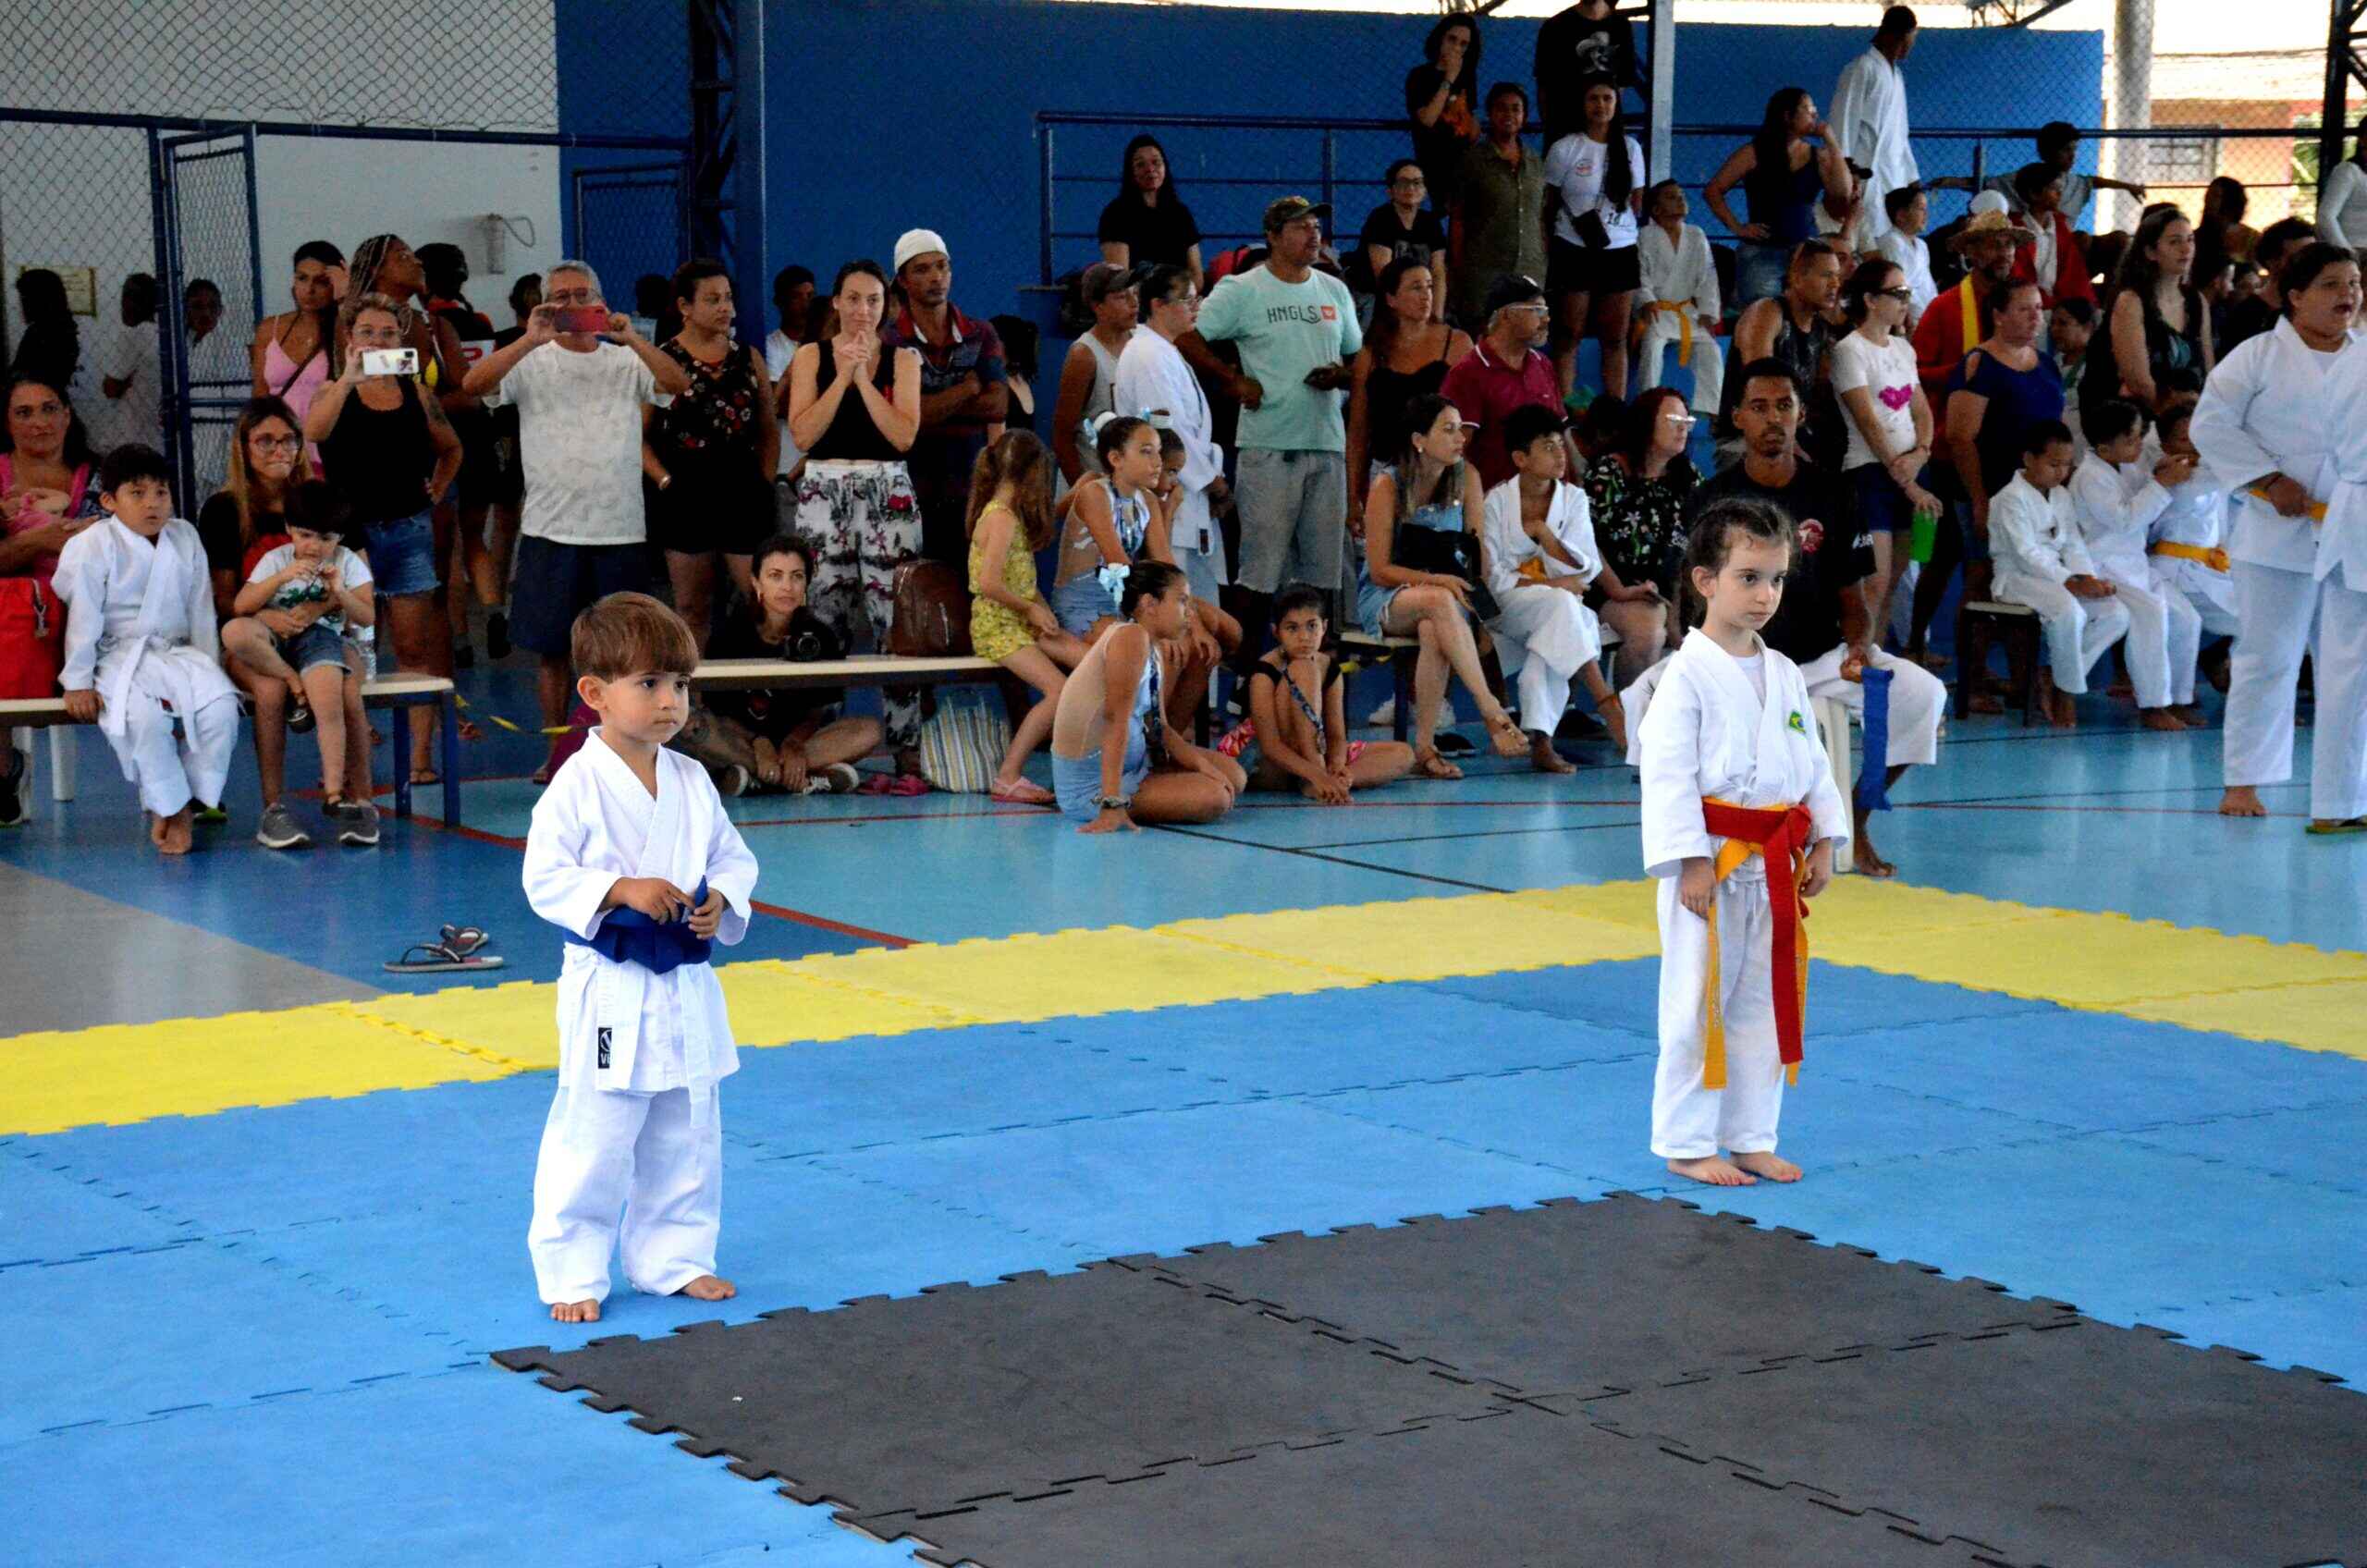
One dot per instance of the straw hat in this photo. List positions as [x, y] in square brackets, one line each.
[1984, 225]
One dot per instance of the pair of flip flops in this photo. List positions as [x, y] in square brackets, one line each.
[457, 949]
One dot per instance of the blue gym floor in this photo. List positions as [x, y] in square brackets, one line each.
[260, 1336]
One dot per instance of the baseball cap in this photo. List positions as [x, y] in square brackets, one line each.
[1282, 213]
[917, 242]
[1102, 279]
[1513, 288]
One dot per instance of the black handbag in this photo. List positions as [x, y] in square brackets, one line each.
[1450, 553]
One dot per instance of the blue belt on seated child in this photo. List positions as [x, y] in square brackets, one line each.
[627, 935]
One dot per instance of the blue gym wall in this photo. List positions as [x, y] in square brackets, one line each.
[891, 113]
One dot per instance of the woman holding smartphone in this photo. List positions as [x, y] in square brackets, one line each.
[389, 452]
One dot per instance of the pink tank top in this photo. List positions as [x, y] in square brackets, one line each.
[44, 566]
[298, 393]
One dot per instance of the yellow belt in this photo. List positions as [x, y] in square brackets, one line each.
[2316, 510]
[1684, 308]
[2211, 555]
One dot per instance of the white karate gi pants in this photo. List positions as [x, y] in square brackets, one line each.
[1554, 635]
[2277, 609]
[1662, 334]
[2164, 640]
[2079, 632]
[608, 1154]
[1919, 700]
[1689, 1121]
[172, 771]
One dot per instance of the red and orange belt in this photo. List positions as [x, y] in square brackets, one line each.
[1783, 835]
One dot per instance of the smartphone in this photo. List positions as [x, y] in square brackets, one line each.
[390, 361]
[580, 318]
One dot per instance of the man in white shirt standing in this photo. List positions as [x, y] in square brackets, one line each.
[1869, 116]
[582, 532]
[1910, 212]
[134, 376]
[1154, 383]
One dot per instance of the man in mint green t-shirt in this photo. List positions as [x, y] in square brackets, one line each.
[1296, 329]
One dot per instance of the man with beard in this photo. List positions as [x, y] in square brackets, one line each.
[965, 390]
[1961, 319]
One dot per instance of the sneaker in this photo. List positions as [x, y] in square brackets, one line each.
[497, 636]
[278, 830]
[838, 779]
[1385, 714]
[12, 786]
[733, 780]
[356, 822]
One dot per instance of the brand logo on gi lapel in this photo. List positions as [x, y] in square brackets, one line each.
[604, 1034]
[1795, 723]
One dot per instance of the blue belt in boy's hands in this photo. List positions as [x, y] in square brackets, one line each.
[627, 935]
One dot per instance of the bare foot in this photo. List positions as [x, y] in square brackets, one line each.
[706, 1287]
[575, 1312]
[2162, 719]
[1613, 715]
[1769, 1165]
[1864, 861]
[155, 828]
[2241, 799]
[1545, 759]
[2047, 696]
[1506, 736]
[179, 831]
[1714, 1172]
[2190, 715]
[2066, 711]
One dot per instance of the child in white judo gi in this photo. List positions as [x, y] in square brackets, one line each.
[632, 856]
[2117, 498]
[1740, 817]
[2042, 562]
[142, 656]
[2188, 549]
[1679, 306]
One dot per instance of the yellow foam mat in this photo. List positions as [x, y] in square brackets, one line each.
[2199, 979]
[193, 1067]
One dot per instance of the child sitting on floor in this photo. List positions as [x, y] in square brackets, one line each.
[142, 656]
[323, 587]
[2042, 562]
[632, 856]
[1297, 736]
[1740, 817]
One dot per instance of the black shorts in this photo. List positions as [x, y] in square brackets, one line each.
[1574, 269]
[556, 582]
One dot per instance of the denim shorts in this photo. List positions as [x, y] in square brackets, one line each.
[1080, 601]
[1077, 780]
[402, 556]
[317, 645]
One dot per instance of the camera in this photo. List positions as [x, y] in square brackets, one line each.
[806, 645]
[390, 361]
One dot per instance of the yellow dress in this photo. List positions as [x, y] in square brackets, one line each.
[996, 630]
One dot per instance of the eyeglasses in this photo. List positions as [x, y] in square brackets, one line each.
[276, 442]
[1903, 295]
[1679, 418]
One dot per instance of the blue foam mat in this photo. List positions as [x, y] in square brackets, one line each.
[2320, 1146]
[478, 1467]
[49, 1213]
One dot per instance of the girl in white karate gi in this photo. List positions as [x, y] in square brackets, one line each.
[1679, 306]
[1537, 544]
[2186, 547]
[2116, 501]
[2278, 427]
[1730, 734]
[144, 657]
[631, 856]
[2042, 562]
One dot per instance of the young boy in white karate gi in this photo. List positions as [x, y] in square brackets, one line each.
[2188, 549]
[1680, 306]
[632, 856]
[2116, 500]
[1740, 817]
[2042, 562]
[142, 656]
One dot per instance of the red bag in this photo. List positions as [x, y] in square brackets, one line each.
[33, 638]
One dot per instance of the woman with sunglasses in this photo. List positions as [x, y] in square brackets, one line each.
[1889, 419]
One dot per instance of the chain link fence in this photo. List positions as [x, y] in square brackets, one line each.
[470, 121]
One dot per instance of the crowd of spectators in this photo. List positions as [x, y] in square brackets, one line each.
[1380, 418]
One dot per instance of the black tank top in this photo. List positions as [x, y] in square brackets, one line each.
[853, 434]
[378, 462]
[1389, 393]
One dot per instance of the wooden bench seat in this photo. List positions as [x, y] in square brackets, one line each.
[863, 669]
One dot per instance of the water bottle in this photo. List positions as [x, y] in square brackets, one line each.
[1923, 531]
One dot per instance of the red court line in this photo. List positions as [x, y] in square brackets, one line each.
[779, 912]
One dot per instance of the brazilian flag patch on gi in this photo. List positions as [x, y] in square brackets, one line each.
[1796, 723]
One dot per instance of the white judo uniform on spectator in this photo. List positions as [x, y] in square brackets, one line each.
[634, 1128]
[1711, 730]
[2036, 544]
[1153, 381]
[2115, 506]
[1681, 308]
[139, 631]
[2276, 405]
[1546, 634]
[2188, 549]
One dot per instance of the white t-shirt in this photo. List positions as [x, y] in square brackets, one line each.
[578, 441]
[1576, 165]
[136, 357]
[1887, 373]
[1912, 255]
[1754, 669]
[351, 570]
[779, 348]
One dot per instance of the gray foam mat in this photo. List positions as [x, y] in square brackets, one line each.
[1498, 1492]
[2085, 1446]
[1598, 1297]
[963, 1392]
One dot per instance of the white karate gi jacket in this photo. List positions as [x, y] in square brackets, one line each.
[1681, 271]
[2276, 405]
[1868, 116]
[1152, 375]
[2037, 536]
[140, 619]
[2115, 507]
[1535, 619]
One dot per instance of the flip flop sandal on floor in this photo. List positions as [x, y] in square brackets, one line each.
[465, 939]
[436, 958]
[2350, 824]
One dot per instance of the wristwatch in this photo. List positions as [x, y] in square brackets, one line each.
[1116, 802]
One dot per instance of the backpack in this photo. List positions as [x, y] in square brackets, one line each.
[33, 638]
[962, 745]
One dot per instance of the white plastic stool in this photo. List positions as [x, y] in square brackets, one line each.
[1833, 725]
[61, 757]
